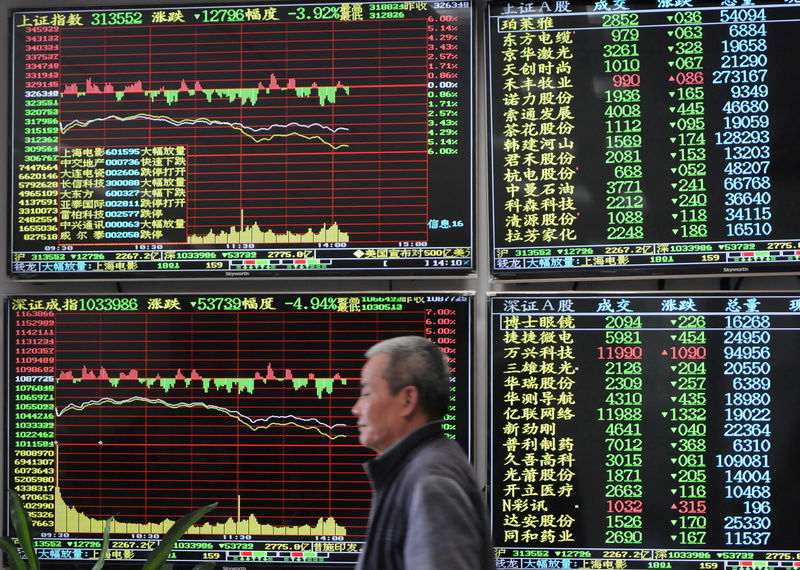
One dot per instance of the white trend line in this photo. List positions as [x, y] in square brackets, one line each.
[251, 421]
[179, 123]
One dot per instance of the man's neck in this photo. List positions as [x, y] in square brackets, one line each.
[412, 424]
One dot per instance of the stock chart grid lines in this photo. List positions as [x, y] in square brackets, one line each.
[188, 440]
[143, 407]
[287, 126]
[331, 139]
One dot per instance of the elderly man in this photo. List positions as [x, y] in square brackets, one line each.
[427, 511]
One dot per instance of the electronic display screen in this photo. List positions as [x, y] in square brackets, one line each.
[645, 430]
[242, 140]
[643, 138]
[145, 407]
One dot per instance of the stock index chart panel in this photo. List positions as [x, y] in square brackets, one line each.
[146, 407]
[259, 140]
[645, 431]
[643, 138]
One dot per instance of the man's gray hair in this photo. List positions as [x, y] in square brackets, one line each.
[416, 361]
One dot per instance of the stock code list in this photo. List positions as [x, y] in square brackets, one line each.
[644, 431]
[633, 137]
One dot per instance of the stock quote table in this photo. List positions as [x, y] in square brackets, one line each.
[231, 141]
[146, 407]
[640, 138]
[645, 431]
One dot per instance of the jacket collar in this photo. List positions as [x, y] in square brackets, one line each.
[383, 468]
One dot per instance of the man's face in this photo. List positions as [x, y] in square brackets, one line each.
[379, 412]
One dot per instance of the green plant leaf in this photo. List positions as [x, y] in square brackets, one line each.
[104, 550]
[13, 556]
[22, 524]
[160, 554]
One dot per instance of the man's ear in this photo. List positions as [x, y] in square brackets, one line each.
[409, 399]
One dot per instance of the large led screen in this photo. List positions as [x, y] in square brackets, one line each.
[145, 407]
[643, 138]
[242, 140]
[645, 430]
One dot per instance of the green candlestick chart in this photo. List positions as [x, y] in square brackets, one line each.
[240, 385]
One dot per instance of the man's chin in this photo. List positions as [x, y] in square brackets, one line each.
[363, 439]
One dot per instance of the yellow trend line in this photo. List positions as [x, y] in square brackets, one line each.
[211, 122]
[241, 418]
[309, 137]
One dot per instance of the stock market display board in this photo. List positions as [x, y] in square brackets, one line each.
[145, 407]
[645, 430]
[640, 138]
[231, 141]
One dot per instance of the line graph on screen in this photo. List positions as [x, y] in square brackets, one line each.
[154, 411]
[295, 133]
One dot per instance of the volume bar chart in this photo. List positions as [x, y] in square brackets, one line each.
[142, 408]
[71, 520]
